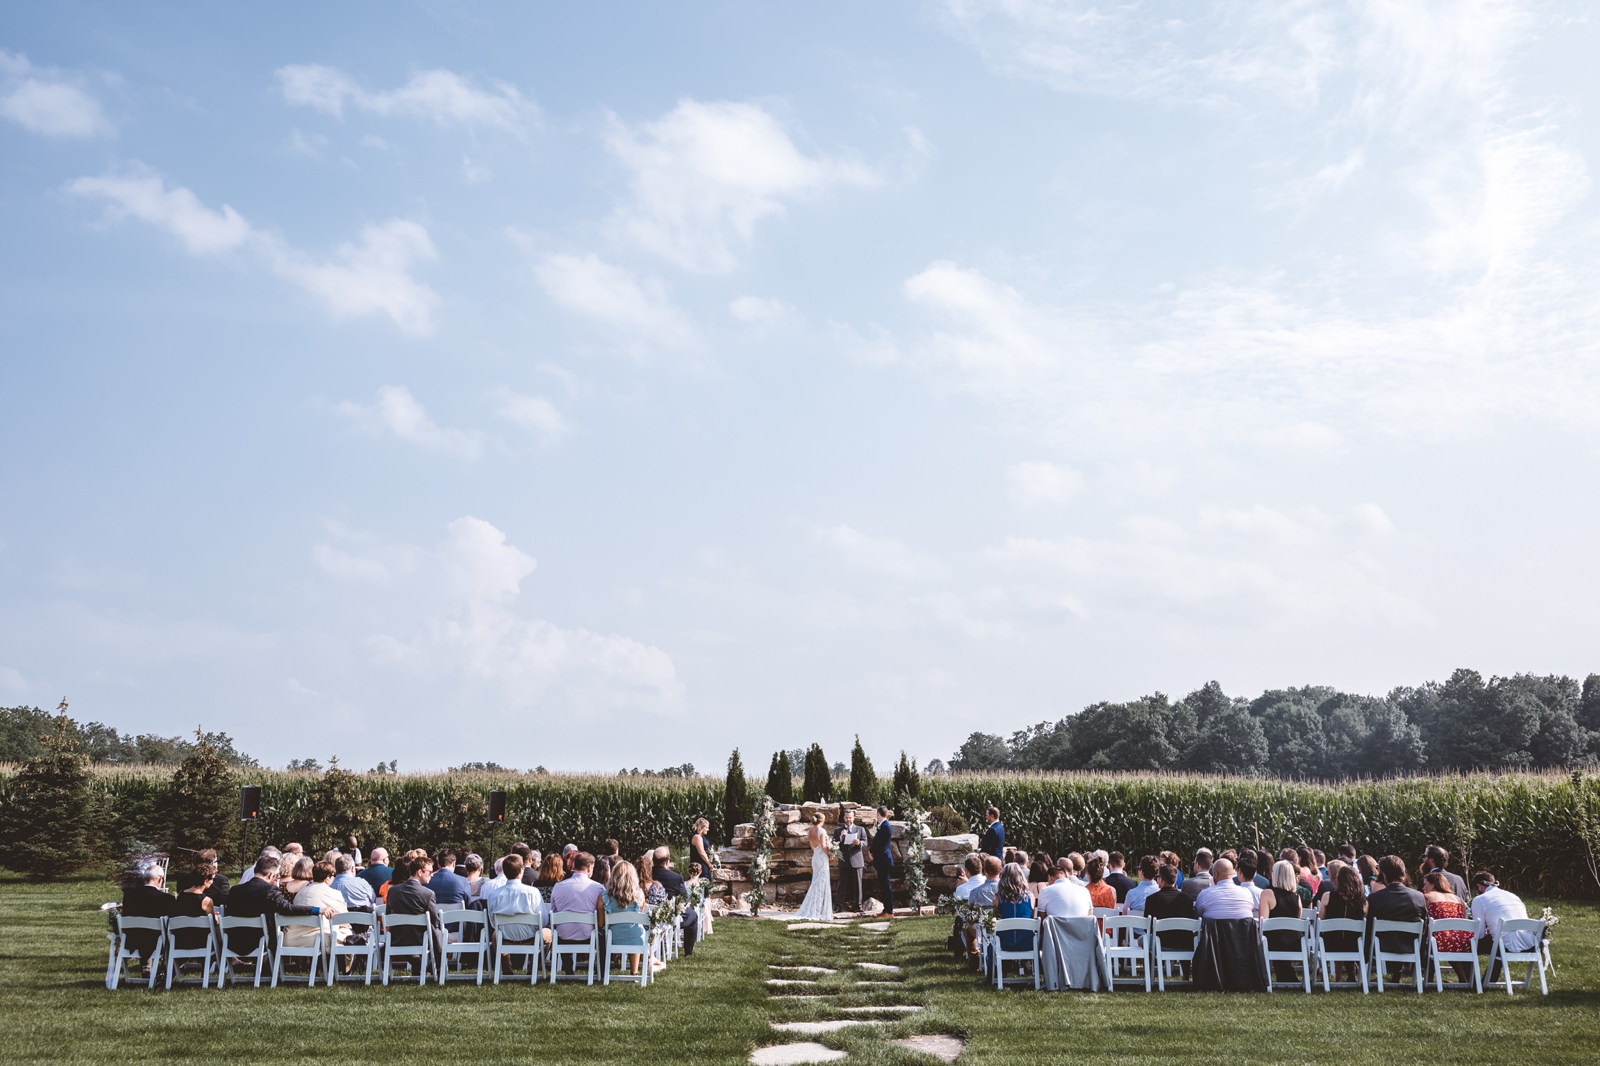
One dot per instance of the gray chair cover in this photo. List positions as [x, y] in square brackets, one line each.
[1073, 955]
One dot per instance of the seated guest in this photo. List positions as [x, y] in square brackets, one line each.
[1347, 900]
[1102, 894]
[378, 871]
[321, 894]
[1134, 904]
[449, 888]
[1437, 858]
[672, 881]
[611, 853]
[569, 859]
[1309, 874]
[358, 895]
[1169, 902]
[298, 876]
[624, 896]
[294, 853]
[580, 893]
[1367, 867]
[269, 850]
[1038, 873]
[1011, 901]
[1117, 877]
[352, 848]
[973, 866]
[1063, 897]
[411, 895]
[1322, 865]
[1442, 902]
[258, 896]
[147, 897]
[472, 873]
[530, 865]
[1201, 879]
[1347, 854]
[551, 874]
[1224, 898]
[1078, 864]
[654, 891]
[1263, 869]
[1282, 900]
[492, 884]
[1396, 901]
[1170, 858]
[1244, 875]
[196, 901]
[1493, 906]
[515, 898]
[983, 896]
[208, 876]
[402, 871]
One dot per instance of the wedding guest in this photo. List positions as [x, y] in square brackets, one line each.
[352, 848]
[1102, 894]
[1442, 902]
[472, 868]
[982, 896]
[1263, 869]
[1347, 900]
[514, 899]
[411, 895]
[1396, 901]
[1011, 901]
[569, 859]
[378, 870]
[1493, 906]
[1282, 900]
[1201, 879]
[551, 874]
[610, 852]
[701, 848]
[255, 897]
[1170, 858]
[1437, 858]
[1169, 902]
[449, 888]
[1117, 877]
[1134, 904]
[196, 901]
[529, 864]
[624, 896]
[578, 893]
[1063, 897]
[1367, 867]
[973, 866]
[1309, 873]
[358, 895]
[299, 875]
[319, 893]
[1076, 867]
[672, 881]
[1244, 875]
[147, 897]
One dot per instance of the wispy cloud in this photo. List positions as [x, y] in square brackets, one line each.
[704, 174]
[438, 96]
[369, 276]
[394, 410]
[635, 309]
[47, 101]
[531, 412]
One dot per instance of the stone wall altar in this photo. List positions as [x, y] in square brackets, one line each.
[791, 855]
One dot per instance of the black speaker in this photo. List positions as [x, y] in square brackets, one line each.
[497, 805]
[249, 803]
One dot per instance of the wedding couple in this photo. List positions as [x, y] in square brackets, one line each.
[818, 904]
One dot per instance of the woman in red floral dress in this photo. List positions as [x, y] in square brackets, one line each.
[1443, 903]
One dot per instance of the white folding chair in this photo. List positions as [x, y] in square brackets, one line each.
[641, 949]
[1413, 956]
[229, 956]
[313, 951]
[422, 952]
[1165, 956]
[1302, 954]
[116, 973]
[1125, 941]
[474, 941]
[205, 953]
[1535, 957]
[532, 953]
[1438, 958]
[589, 947]
[356, 923]
[1029, 955]
[1327, 958]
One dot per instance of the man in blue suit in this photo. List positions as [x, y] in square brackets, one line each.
[883, 861]
[448, 886]
[994, 837]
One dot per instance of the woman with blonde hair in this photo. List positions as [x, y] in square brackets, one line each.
[654, 891]
[1282, 900]
[295, 875]
[624, 896]
[700, 847]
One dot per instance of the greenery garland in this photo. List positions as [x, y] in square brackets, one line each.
[761, 865]
[916, 875]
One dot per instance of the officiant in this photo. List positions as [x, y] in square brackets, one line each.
[852, 841]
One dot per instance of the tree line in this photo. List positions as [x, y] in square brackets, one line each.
[1465, 723]
[23, 729]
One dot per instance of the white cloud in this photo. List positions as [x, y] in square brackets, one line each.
[1041, 484]
[878, 555]
[634, 307]
[532, 412]
[46, 102]
[336, 562]
[1373, 519]
[704, 174]
[397, 411]
[759, 310]
[435, 95]
[479, 564]
[366, 277]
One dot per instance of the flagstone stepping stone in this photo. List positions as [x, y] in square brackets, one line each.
[876, 927]
[780, 981]
[804, 995]
[881, 967]
[802, 969]
[943, 1048]
[816, 1028]
[891, 984]
[794, 1054]
[875, 1010]
[812, 925]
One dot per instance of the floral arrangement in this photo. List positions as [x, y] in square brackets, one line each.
[916, 876]
[967, 912]
[1551, 920]
[761, 865]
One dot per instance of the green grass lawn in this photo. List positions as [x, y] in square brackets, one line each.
[714, 1008]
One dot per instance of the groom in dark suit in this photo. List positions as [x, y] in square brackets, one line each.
[883, 860]
[852, 840]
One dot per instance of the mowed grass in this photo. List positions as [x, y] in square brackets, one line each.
[714, 1008]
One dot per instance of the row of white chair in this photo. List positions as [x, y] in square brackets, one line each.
[481, 937]
[1134, 940]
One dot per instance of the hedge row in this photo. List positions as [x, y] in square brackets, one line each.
[1539, 833]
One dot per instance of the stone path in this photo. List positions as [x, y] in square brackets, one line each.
[802, 969]
[794, 1054]
[944, 1048]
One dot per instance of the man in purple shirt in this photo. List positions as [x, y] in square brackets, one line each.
[579, 892]
[1224, 899]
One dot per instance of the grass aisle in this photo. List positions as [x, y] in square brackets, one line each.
[716, 1007]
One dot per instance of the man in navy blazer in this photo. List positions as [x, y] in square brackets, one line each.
[994, 837]
[883, 860]
[448, 886]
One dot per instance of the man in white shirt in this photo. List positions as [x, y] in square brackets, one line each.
[513, 898]
[1245, 877]
[1063, 897]
[1493, 906]
[1224, 899]
[974, 868]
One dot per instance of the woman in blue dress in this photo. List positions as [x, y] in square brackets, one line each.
[1011, 901]
[623, 896]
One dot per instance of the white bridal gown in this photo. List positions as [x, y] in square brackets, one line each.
[818, 904]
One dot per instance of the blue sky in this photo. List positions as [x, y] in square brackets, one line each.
[606, 387]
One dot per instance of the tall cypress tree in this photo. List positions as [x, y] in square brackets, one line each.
[53, 809]
[907, 782]
[780, 779]
[863, 779]
[735, 797]
[819, 780]
[202, 803]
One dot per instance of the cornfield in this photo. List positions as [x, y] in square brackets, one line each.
[1538, 832]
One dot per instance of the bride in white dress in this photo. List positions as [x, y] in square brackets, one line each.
[818, 904]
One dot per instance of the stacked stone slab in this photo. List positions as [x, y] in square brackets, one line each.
[791, 856]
